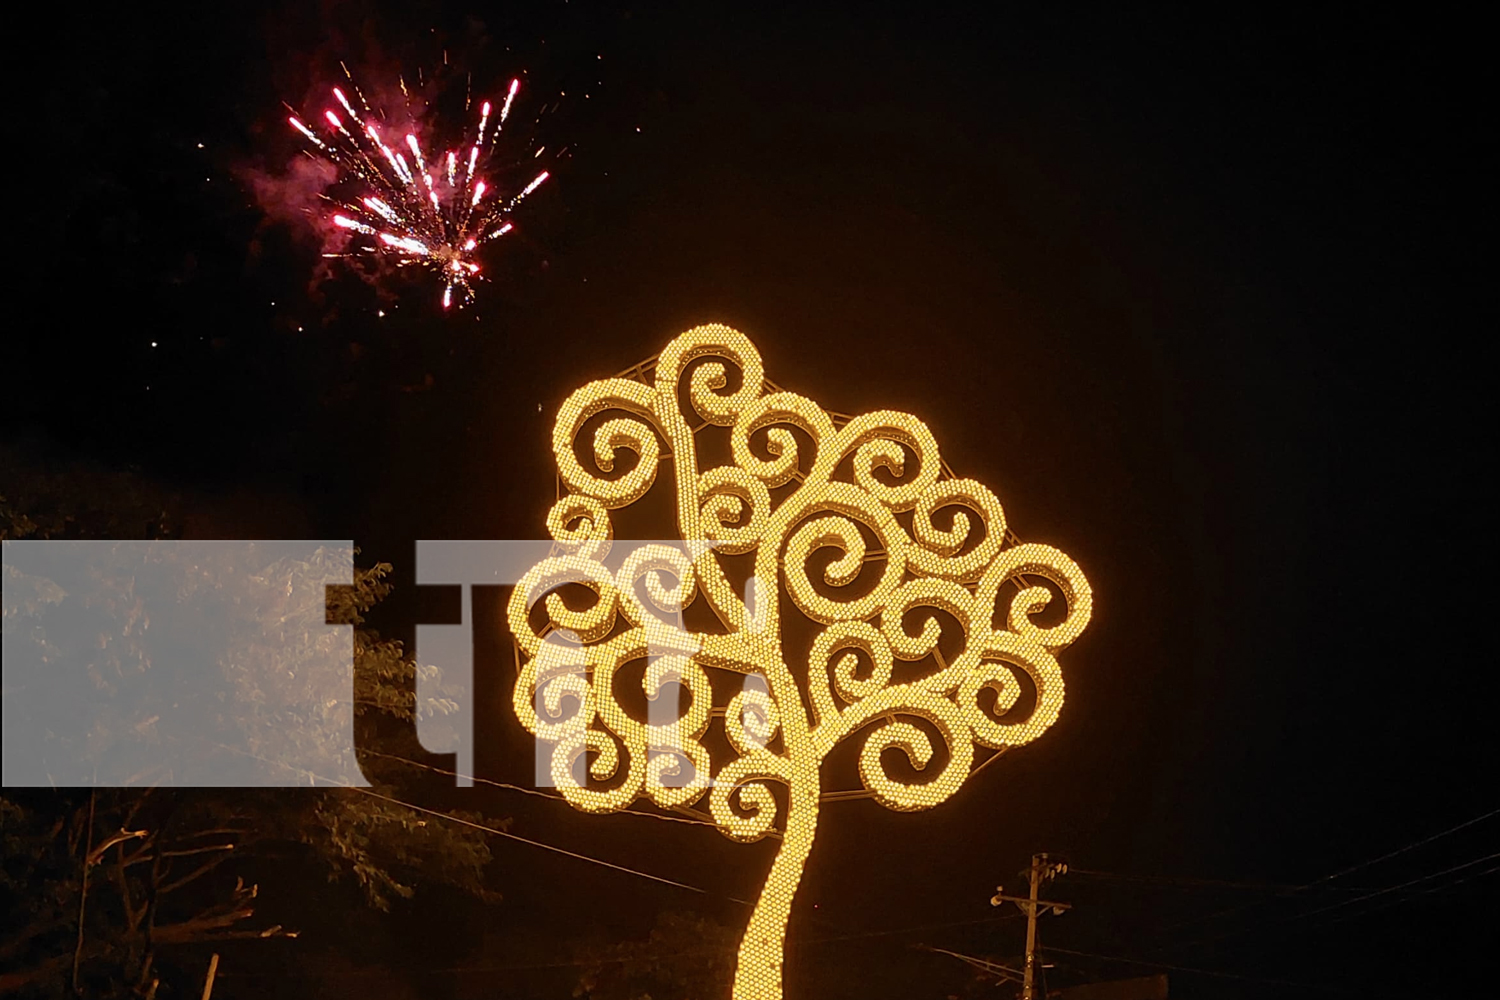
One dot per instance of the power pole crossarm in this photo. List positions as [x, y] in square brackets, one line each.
[1024, 903]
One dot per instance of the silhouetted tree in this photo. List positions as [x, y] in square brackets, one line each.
[96, 886]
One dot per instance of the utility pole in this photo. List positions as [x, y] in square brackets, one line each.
[1042, 869]
[1028, 985]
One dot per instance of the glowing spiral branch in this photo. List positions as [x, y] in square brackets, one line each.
[874, 605]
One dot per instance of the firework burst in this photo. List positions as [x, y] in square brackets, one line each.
[435, 213]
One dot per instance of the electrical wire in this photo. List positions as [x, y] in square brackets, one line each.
[1394, 888]
[1316, 883]
[537, 843]
[1191, 970]
[1208, 884]
[1412, 846]
[1425, 892]
[1193, 883]
[861, 935]
[984, 965]
[583, 963]
[1294, 918]
[526, 791]
[486, 829]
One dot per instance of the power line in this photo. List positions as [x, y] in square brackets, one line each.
[1193, 971]
[1175, 880]
[1205, 883]
[558, 850]
[1394, 888]
[984, 965]
[1425, 892]
[1326, 878]
[487, 829]
[1367, 896]
[1467, 878]
[537, 843]
[583, 963]
[1403, 850]
[912, 930]
[528, 791]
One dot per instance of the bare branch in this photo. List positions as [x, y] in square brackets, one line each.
[136, 807]
[97, 853]
[199, 929]
[195, 834]
[198, 850]
[198, 872]
[19, 939]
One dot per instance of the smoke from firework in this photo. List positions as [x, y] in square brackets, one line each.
[403, 195]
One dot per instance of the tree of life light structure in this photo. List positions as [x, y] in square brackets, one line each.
[872, 474]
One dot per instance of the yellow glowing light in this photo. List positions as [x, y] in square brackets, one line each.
[781, 729]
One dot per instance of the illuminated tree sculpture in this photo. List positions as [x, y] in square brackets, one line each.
[873, 491]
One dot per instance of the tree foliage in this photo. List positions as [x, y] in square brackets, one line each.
[685, 957]
[99, 889]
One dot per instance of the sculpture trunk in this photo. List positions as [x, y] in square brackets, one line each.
[757, 975]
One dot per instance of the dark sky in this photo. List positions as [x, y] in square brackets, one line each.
[1199, 300]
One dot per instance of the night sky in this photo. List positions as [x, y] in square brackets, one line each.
[1198, 299]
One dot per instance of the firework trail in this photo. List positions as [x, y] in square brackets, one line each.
[425, 212]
